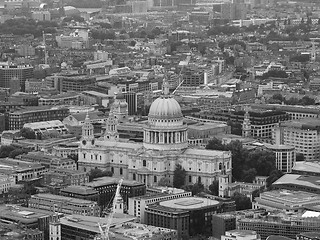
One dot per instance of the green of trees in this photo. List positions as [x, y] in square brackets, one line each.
[96, 173]
[22, 26]
[11, 151]
[242, 201]
[27, 133]
[179, 176]
[214, 188]
[246, 165]
[103, 35]
[275, 73]
[304, 101]
[164, 182]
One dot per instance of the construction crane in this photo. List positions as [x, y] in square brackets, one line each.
[104, 234]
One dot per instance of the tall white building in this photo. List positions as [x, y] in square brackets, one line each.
[303, 134]
[165, 144]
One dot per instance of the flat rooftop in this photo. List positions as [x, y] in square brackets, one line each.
[111, 180]
[206, 126]
[53, 197]
[300, 180]
[304, 124]
[90, 223]
[37, 109]
[292, 197]
[307, 166]
[189, 203]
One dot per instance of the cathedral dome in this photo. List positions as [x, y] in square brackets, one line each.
[165, 108]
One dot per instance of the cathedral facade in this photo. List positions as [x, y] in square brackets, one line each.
[165, 144]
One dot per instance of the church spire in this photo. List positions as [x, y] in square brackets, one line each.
[246, 125]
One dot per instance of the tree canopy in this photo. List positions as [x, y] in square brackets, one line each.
[96, 173]
[275, 73]
[27, 133]
[179, 176]
[246, 165]
[242, 201]
[22, 26]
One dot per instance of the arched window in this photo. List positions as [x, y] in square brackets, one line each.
[220, 166]
[121, 171]
[134, 177]
[144, 163]
[199, 179]
[155, 179]
[190, 178]
[112, 170]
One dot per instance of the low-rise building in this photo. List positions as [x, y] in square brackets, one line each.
[189, 215]
[28, 218]
[61, 177]
[69, 98]
[81, 192]
[49, 161]
[122, 227]
[137, 205]
[21, 170]
[47, 127]
[18, 118]
[65, 205]
[106, 186]
[288, 200]
[240, 235]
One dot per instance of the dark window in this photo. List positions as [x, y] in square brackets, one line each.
[121, 171]
[144, 163]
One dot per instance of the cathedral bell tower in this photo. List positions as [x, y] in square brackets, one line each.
[87, 138]
[111, 133]
[246, 125]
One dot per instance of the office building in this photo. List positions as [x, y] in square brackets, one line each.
[106, 186]
[131, 99]
[296, 182]
[137, 205]
[295, 112]
[277, 223]
[221, 223]
[61, 177]
[9, 73]
[122, 227]
[49, 161]
[81, 192]
[18, 118]
[42, 128]
[65, 205]
[27, 218]
[21, 171]
[307, 168]
[69, 98]
[285, 156]
[189, 215]
[6, 182]
[302, 134]
[288, 200]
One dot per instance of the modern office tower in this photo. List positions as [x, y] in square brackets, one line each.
[302, 134]
[10, 73]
